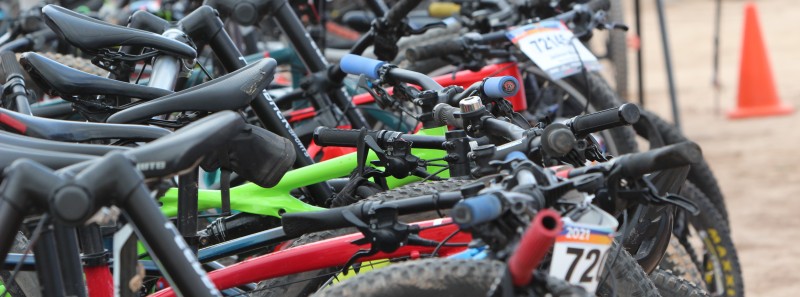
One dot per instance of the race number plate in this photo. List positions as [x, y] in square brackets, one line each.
[582, 248]
[553, 47]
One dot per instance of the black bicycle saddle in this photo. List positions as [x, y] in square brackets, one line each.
[233, 91]
[91, 35]
[61, 80]
[7, 138]
[183, 149]
[70, 131]
[50, 159]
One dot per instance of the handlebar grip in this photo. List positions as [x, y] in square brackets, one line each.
[324, 136]
[671, 156]
[477, 210]
[297, 224]
[399, 11]
[443, 9]
[625, 114]
[516, 155]
[358, 65]
[443, 114]
[534, 245]
[434, 50]
[500, 86]
[596, 5]
[10, 66]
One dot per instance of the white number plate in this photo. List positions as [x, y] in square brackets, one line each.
[552, 46]
[580, 252]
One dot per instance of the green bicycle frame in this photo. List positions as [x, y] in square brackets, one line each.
[274, 201]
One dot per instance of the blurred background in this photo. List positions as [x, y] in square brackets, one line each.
[755, 160]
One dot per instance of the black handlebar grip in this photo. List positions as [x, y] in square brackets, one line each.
[324, 136]
[625, 114]
[297, 224]
[399, 11]
[443, 114]
[434, 50]
[596, 5]
[10, 66]
[671, 156]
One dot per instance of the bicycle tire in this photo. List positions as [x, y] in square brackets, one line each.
[74, 62]
[25, 283]
[671, 285]
[679, 262]
[720, 266]
[700, 174]
[436, 277]
[627, 278]
[303, 284]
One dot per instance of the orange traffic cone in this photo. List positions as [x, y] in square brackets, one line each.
[757, 93]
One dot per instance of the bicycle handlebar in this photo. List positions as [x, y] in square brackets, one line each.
[399, 11]
[671, 156]
[453, 45]
[324, 136]
[297, 224]
[625, 114]
[13, 78]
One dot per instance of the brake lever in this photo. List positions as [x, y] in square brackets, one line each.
[669, 198]
[414, 28]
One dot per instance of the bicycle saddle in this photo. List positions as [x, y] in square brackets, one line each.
[50, 159]
[7, 138]
[61, 80]
[92, 35]
[182, 150]
[233, 91]
[70, 131]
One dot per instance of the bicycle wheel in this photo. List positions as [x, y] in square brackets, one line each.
[303, 284]
[623, 276]
[707, 240]
[680, 263]
[670, 285]
[437, 277]
[25, 282]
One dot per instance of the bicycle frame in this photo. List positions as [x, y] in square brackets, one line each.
[276, 200]
[334, 252]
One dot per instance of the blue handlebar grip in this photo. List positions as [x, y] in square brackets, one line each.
[516, 155]
[500, 86]
[358, 65]
[477, 210]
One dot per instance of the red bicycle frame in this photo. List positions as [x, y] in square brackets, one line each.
[334, 252]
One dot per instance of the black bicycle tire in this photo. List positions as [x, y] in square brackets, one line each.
[671, 285]
[435, 278]
[303, 284]
[680, 263]
[717, 244]
[627, 277]
[700, 174]
[25, 283]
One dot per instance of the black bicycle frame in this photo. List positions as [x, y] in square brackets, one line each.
[28, 185]
[203, 26]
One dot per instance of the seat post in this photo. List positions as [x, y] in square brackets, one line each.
[166, 68]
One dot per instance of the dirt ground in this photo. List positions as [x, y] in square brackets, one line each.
[755, 160]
